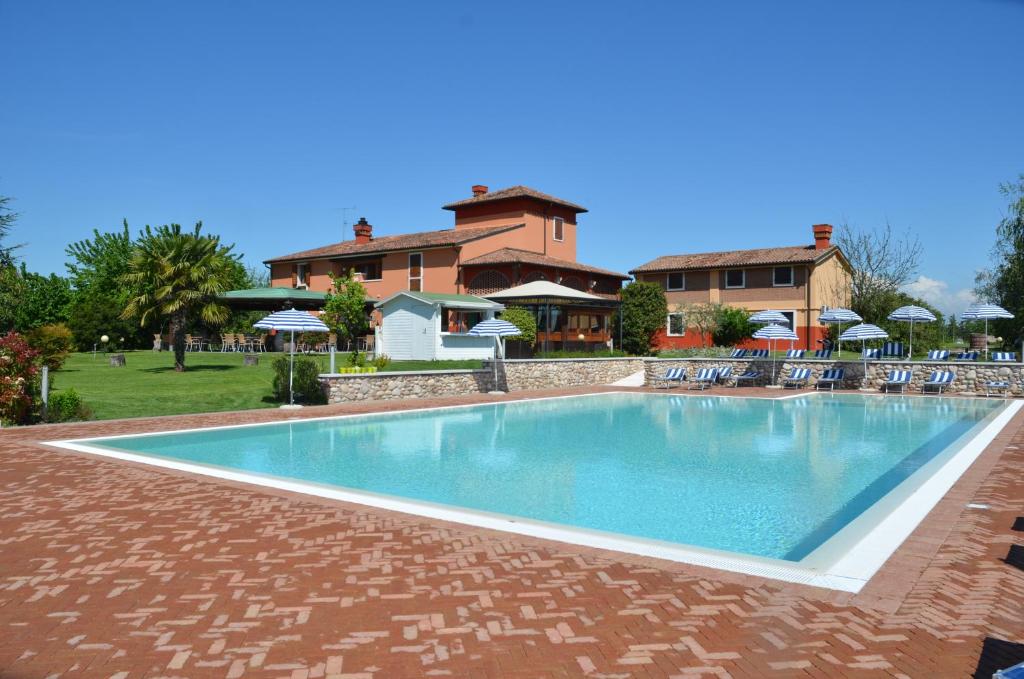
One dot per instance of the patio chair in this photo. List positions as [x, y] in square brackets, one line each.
[796, 353]
[705, 378]
[830, 378]
[823, 353]
[227, 342]
[750, 376]
[724, 374]
[677, 375]
[893, 350]
[871, 354]
[1004, 356]
[998, 387]
[758, 353]
[938, 355]
[897, 378]
[797, 378]
[738, 353]
[938, 380]
[966, 356]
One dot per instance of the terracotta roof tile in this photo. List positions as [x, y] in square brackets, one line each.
[800, 254]
[517, 256]
[407, 241]
[514, 192]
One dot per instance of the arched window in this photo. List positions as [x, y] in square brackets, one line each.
[487, 282]
[574, 282]
[535, 276]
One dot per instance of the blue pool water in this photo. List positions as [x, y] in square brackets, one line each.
[773, 478]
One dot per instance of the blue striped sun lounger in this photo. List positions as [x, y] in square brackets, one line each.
[823, 353]
[677, 375]
[738, 353]
[938, 380]
[724, 374]
[966, 356]
[1004, 356]
[897, 378]
[704, 378]
[997, 387]
[797, 378]
[795, 353]
[750, 376]
[830, 378]
[893, 350]
[758, 353]
[938, 355]
[871, 353]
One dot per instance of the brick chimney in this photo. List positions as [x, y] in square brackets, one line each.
[822, 236]
[363, 230]
[479, 190]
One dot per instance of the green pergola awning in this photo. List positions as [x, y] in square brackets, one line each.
[274, 298]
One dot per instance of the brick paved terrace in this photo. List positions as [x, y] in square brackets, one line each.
[112, 569]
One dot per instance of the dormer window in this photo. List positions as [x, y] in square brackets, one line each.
[558, 228]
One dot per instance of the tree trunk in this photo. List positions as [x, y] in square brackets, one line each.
[178, 330]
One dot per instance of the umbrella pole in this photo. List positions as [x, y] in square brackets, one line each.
[986, 339]
[840, 341]
[291, 371]
[910, 355]
[863, 353]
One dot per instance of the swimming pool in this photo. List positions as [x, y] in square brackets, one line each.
[782, 487]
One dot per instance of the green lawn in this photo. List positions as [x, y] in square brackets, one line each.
[212, 382]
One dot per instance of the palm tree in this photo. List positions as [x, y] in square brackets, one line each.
[178, 275]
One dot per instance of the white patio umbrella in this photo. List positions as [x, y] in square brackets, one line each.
[985, 312]
[770, 316]
[839, 316]
[864, 332]
[912, 313]
[774, 332]
[496, 328]
[292, 320]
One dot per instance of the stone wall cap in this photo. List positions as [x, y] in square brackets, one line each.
[569, 360]
[400, 373]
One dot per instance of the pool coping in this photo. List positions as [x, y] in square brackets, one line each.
[851, 573]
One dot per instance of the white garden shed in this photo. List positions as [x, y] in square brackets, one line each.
[427, 326]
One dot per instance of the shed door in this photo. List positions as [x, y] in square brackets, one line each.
[423, 333]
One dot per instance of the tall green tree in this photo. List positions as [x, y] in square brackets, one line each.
[45, 300]
[345, 308]
[643, 312]
[11, 284]
[7, 219]
[1004, 283]
[177, 275]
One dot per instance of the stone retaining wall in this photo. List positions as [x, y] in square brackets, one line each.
[970, 376]
[513, 375]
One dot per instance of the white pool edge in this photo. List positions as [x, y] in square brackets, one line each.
[849, 573]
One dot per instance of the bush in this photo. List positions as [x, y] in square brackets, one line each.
[643, 310]
[53, 342]
[67, 406]
[18, 379]
[304, 382]
[525, 321]
[381, 362]
[732, 326]
[356, 359]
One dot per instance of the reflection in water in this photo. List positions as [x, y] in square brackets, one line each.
[766, 477]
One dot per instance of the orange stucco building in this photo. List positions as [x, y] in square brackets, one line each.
[800, 281]
[500, 239]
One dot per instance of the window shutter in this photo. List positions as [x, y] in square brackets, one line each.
[306, 276]
[295, 274]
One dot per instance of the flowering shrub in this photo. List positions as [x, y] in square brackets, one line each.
[18, 373]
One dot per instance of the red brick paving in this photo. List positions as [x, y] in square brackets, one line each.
[111, 569]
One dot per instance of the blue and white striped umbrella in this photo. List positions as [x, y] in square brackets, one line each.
[770, 316]
[985, 312]
[295, 321]
[839, 316]
[291, 319]
[496, 328]
[864, 332]
[913, 314]
[774, 332]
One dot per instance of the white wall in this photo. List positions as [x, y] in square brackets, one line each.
[403, 322]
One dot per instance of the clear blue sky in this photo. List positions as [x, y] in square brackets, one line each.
[683, 126]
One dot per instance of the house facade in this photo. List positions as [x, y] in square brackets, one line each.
[799, 281]
[501, 239]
